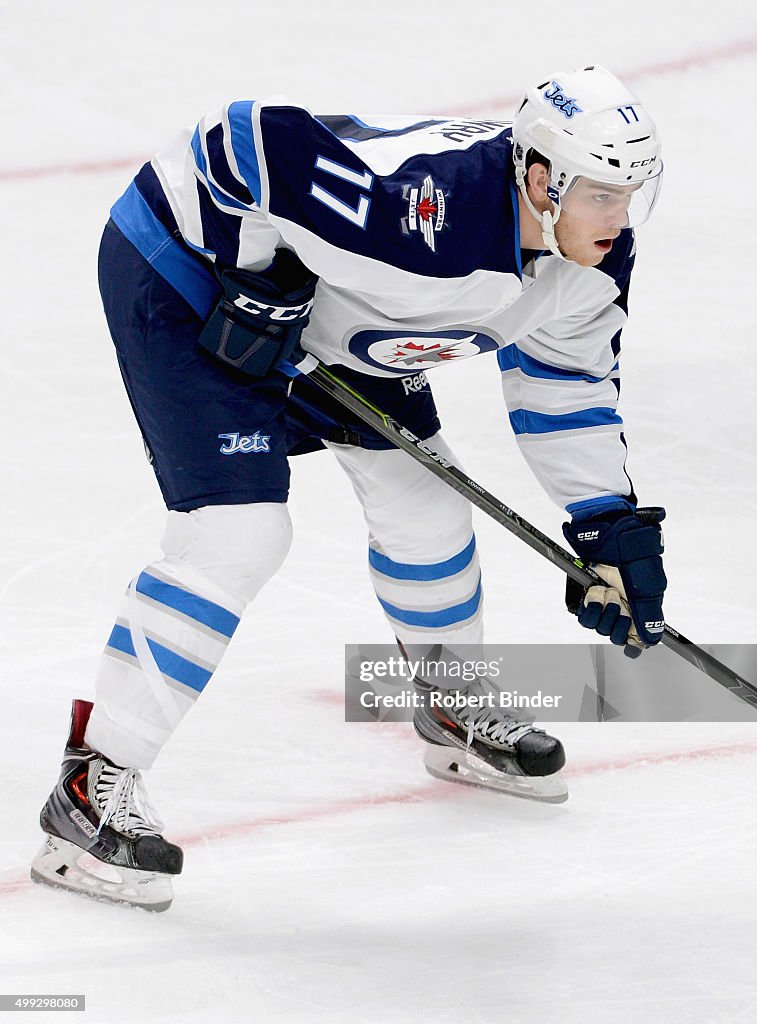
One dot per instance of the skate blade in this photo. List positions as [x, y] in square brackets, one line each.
[62, 865]
[466, 769]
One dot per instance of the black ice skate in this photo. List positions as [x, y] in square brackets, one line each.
[102, 835]
[483, 746]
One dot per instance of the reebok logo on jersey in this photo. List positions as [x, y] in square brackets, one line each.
[244, 443]
[415, 383]
[426, 210]
[558, 99]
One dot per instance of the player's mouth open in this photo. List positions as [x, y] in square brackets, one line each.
[605, 244]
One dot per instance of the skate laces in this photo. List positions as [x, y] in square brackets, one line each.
[127, 806]
[484, 723]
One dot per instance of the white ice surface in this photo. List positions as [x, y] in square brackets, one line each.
[328, 878]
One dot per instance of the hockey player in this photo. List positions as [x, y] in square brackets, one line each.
[267, 238]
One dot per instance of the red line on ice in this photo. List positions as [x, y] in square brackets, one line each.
[417, 794]
[728, 51]
[653, 760]
[83, 167]
[356, 803]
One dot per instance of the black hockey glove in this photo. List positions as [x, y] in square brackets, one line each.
[625, 547]
[260, 317]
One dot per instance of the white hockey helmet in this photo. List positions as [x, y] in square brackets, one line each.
[591, 129]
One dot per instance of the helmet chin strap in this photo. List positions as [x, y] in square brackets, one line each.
[547, 220]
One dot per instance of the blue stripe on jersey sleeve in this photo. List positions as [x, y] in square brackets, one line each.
[523, 421]
[184, 601]
[220, 197]
[436, 571]
[243, 144]
[137, 222]
[511, 357]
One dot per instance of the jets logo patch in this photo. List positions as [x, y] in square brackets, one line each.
[410, 351]
[426, 211]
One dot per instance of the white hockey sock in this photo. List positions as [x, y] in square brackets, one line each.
[175, 622]
[171, 631]
[422, 551]
[436, 602]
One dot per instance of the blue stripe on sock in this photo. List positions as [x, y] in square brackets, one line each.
[523, 421]
[168, 662]
[434, 571]
[436, 619]
[120, 640]
[184, 601]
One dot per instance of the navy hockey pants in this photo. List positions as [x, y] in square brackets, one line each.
[213, 435]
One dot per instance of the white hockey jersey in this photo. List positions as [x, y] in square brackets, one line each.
[412, 226]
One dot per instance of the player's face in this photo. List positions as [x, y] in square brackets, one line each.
[592, 216]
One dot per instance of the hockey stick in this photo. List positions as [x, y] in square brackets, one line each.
[493, 507]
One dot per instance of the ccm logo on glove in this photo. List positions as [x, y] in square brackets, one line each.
[260, 317]
[273, 312]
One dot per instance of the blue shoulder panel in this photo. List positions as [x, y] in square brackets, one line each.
[439, 215]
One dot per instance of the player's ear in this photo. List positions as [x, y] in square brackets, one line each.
[537, 180]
